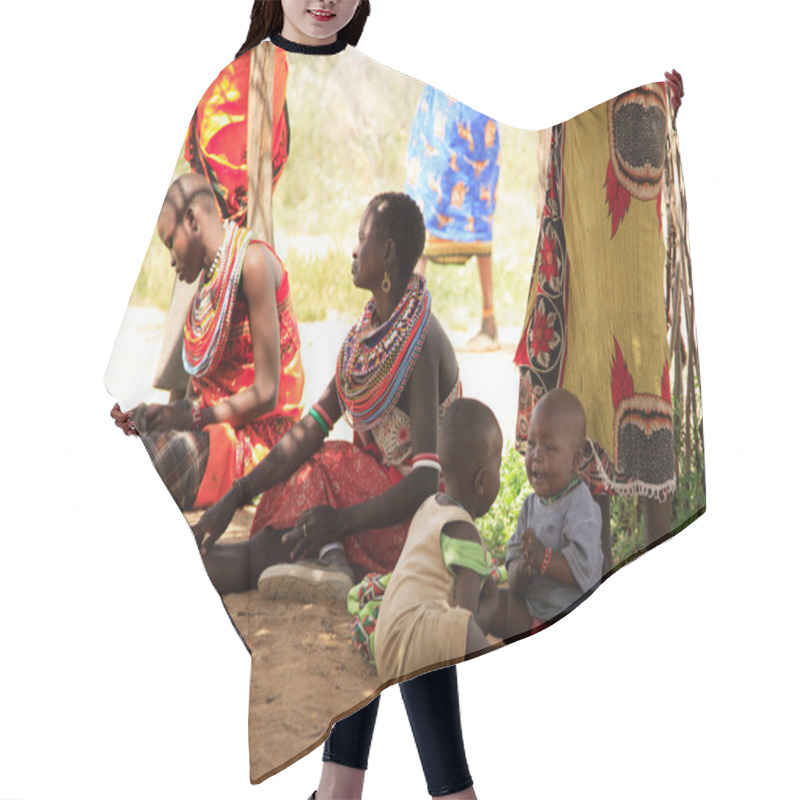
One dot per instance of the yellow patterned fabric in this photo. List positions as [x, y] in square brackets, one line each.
[616, 288]
[596, 317]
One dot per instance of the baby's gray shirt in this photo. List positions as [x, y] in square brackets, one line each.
[570, 525]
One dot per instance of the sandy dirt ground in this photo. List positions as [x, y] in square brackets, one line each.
[305, 672]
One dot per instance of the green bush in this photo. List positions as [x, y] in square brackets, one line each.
[497, 526]
[627, 528]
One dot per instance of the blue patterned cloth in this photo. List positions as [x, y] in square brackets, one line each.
[452, 168]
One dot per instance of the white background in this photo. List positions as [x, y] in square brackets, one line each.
[121, 675]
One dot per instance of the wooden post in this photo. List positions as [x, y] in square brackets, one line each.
[259, 142]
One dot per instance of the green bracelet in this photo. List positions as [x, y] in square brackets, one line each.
[318, 419]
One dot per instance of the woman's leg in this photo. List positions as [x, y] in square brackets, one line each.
[180, 459]
[433, 711]
[488, 324]
[657, 519]
[236, 566]
[346, 754]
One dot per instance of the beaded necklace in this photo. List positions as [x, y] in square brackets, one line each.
[208, 322]
[454, 501]
[377, 359]
[558, 495]
[212, 270]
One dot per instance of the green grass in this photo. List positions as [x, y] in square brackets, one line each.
[156, 277]
[690, 493]
[627, 528]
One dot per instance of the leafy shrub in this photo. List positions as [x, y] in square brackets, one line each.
[627, 528]
[497, 526]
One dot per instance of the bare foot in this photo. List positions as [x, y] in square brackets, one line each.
[486, 340]
[489, 327]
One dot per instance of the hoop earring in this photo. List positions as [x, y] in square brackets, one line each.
[387, 283]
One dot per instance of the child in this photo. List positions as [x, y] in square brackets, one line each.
[555, 555]
[433, 613]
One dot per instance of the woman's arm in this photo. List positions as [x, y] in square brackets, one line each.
[261, 275]
[321, 525]
[291, 451]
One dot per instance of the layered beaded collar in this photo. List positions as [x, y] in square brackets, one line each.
[208, 321]
[377, 359]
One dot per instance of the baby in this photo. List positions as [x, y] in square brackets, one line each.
[555, 556]
[441, 599]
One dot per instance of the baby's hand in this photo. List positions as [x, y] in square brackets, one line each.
[529, 540]
[532, 550]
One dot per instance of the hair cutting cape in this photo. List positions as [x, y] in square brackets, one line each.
[609, 315]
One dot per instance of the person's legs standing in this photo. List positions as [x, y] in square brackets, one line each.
[488, 323]
[433, 710]
[346, 754]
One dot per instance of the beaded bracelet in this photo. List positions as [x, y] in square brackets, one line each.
[426, 460]
[324, 414]
[197, 416]
[317, 417]
[548, 552]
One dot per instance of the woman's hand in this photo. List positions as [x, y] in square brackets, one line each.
[173, 417]
[314, 528]
[215, 522]
[123, 420]
[675, 84]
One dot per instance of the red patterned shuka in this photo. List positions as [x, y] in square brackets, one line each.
[234, 452]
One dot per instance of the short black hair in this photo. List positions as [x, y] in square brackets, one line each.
[567, 408]
[465, 434]
[399, 218]
[189, 189]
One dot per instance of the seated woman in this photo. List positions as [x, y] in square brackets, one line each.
[396, 375]
[241, 349]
